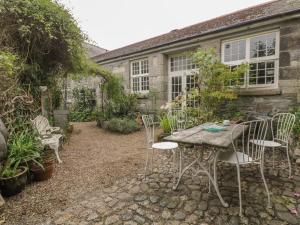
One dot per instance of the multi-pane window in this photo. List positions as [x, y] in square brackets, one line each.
[135, 84]
[235, 50]
[182, 81]
[140, 76]
[144, 66]
[190, 85]
[262, 73]
[135, 68]
[263, 45]
[181, 62]
[261, 52]
[145, 83]
[176, 87]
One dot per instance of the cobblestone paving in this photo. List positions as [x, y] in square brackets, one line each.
[134, 201]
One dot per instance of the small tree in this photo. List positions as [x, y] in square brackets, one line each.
[45, 36]
[213, 80]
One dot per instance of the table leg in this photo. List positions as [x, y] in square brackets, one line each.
[213, 180]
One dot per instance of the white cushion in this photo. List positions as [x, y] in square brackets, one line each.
[271, 144]
[232, 157]
[165, 145]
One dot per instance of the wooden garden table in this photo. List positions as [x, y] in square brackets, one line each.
[219, 141]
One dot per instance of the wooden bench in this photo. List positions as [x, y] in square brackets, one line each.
[50, 136]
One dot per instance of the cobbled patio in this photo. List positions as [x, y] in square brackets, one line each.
[133, 201]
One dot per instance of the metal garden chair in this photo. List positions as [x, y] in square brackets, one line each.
[151, 145]
[178, 120]
[246, 152]
[282, 126]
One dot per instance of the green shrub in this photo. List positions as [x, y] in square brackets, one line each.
[122, 125]
[22, 147]
[164, 124]
[212, 89]
[296, 129]
[85, 115]
[83, 108]
[118, 103]
[101, 117]
[118, 112]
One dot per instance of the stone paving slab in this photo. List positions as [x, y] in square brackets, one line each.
[134, 201]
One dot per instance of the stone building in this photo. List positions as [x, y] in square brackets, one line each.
[266, 36]
[90, 82]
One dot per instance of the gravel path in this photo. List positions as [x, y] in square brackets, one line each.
[93, 159]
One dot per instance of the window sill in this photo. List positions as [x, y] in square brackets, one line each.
[259, 92]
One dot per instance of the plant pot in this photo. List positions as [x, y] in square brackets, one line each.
[28, 164]
[13, 185]
[41, 174]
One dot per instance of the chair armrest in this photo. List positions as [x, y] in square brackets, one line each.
[55, 130]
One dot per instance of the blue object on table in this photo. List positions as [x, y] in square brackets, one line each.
[214, 128]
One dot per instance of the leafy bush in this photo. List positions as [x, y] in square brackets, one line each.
[40, 43]
[9, 170]
[213, 88]
[83, 108]
[117, 102]
[296, 129]
[122, 125]
[125, 105]
[85, 115]
[101, 117]
[22, 148]
[164, 124]
[119, 109]
[45, 36]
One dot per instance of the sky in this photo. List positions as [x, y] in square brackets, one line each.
[112, 24]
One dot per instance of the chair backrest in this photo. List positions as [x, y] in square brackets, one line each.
[150, 127]
[41, 124]
[282, 125]
[251, 139]
[177, 120]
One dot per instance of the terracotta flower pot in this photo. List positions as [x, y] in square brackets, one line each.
[41, 174]
[13, 185]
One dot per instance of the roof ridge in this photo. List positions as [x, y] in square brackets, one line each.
[204, 21]
[233, 12]
[239, 17]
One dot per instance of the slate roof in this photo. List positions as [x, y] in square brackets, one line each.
[242, 17]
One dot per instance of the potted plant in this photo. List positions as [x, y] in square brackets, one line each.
[13, 178]
[165, 127]
[24, 148]
[43, 169]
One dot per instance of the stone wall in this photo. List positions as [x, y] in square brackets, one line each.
[91, 82]
[285, 96]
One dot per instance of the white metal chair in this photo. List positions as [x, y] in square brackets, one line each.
[177, 120]
[151, 145]
[246, 152]
[50, 136]
[282, 126]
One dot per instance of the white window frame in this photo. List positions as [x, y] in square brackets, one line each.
[181, 73]
[139, 76]
[249, 60]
